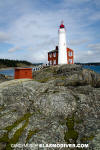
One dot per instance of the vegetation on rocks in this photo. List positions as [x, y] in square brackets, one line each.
[61, 105]
[17, 134]
[70, 75]
[71, 134]
[31, 133]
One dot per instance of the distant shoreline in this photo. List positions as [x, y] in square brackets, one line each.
[7, 68]
[88, 64]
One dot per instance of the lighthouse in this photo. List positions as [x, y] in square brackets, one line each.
[62, 55]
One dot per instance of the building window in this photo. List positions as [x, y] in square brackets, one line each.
[70, 53]
[50, 62]
[50, 55]
[54, 54]
[70, 61]
[54, 62]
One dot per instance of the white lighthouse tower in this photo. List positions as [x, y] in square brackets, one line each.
[62, 54]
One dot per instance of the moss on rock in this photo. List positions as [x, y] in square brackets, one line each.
[87, 138]
[17, 134]
[71, 134]
[31, 133]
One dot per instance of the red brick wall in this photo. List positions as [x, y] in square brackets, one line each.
[52, 58]
[70, 57]
[23, 73]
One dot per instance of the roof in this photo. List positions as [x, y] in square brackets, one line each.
[69, 49]
[53, 51]
[23, 68]
[56, 50]
[62, 25]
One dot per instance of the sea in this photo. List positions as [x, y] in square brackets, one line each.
[10, 72]
[94, 68]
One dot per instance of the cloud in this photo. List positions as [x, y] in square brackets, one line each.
[76, 1]
[39, 30]
[87, 56]
[95, 16]
[30, 49]
[33, 27]
[90, 52]
[14, 49]
[78, 41]
[94, 47]
[97, 3]
[91, 55]
[4, 37]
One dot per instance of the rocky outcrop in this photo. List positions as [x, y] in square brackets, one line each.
[5, 78]
[52, 72]
[2, 78]
[68, 75]
[55, 111]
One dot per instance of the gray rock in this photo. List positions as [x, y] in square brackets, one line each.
[96, 141]
[65, 108]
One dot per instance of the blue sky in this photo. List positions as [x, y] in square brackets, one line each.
[29, 28]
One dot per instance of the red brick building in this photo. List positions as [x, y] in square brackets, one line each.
[70, 56]
[22, 73]
[53, 56]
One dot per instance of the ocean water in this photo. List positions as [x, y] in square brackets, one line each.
[94, 68]
[10, 72]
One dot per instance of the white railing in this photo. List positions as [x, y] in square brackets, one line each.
[37, 68]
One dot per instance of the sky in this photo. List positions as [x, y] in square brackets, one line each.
[29, 28]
